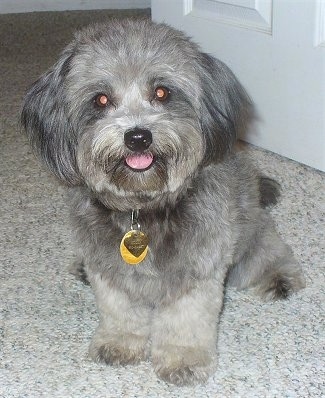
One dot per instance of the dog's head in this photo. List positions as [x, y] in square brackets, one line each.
[133, 108]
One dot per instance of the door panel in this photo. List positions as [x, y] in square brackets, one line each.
[277, 50]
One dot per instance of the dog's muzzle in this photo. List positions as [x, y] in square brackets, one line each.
[138, 141]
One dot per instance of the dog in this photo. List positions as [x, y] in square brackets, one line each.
[141, 125]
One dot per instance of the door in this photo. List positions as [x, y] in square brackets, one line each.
[277, 50]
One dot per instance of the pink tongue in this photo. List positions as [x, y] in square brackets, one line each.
[139, 161]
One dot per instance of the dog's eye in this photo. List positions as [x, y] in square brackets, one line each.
[101, 100]
[161, 93]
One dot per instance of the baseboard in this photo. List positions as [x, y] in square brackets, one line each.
[19, 6]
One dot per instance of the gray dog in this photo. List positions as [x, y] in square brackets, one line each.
[141, 124]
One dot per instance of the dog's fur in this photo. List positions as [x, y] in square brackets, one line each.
[202, 207]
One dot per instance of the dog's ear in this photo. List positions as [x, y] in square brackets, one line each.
[44, 118]
[226, 108]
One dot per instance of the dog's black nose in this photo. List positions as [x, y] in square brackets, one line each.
[138, 139]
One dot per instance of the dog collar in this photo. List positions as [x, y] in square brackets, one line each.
[134, 244]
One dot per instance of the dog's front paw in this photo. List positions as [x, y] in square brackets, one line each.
[182, 375]
[123, 350]
[183, 365]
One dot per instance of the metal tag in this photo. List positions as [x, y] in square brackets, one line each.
[134, 247]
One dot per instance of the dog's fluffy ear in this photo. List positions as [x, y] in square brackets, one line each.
[226, 108]
[46, 123]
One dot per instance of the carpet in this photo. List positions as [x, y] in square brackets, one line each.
[47, 317]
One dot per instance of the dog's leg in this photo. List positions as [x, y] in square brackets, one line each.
[184, 335]
[268, 265]
[123, 332]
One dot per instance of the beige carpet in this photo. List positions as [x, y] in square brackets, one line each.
[47, 318]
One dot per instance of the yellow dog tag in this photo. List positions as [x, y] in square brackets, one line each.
[134, 247]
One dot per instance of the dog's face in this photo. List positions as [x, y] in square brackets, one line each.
[134, 109]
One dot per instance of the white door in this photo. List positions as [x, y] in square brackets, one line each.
[277, 50]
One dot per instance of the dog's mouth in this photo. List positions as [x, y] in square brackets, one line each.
[136, 171]
[140, 161]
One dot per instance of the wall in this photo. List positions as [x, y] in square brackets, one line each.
[20, 6]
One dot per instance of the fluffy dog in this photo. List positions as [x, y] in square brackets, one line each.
[141, 124]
